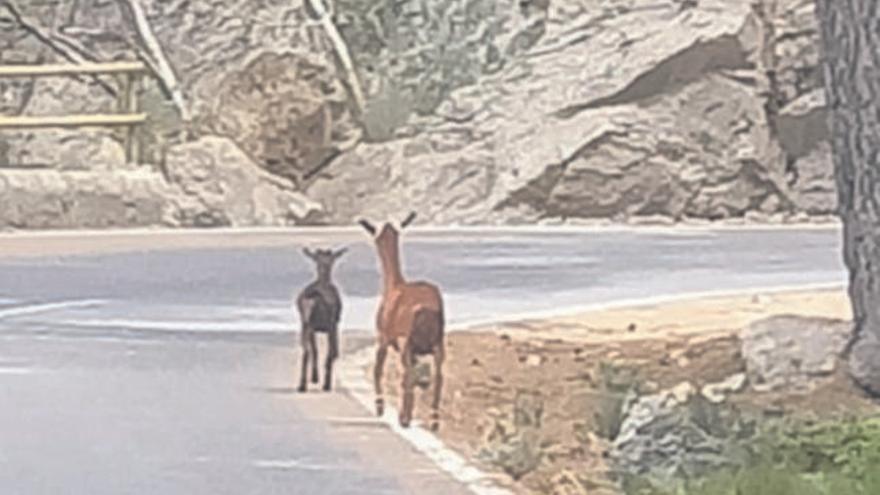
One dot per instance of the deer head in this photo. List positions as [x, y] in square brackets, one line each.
[387, 245]
[388, 229]
[324, 260]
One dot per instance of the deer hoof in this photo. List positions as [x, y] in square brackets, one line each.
[301, 388]
[315, 379]
[404, 421]
[326, 387]
[380, 407]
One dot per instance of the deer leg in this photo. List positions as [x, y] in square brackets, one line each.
[332, 354]
[304, 344]
[407, 385]
[313, 344]
[439, 356]
[378, 369]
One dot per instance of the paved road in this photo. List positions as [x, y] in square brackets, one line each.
[168, 370]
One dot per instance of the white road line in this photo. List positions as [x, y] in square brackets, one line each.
[42, 308]
[352, 378]
[298, 464]
[16, 371]
[355, 421]
[181, 325]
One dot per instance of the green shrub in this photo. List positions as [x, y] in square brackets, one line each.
[829, 458]
[848, 447]
[616, 384]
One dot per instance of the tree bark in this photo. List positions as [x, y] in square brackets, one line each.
[342, 52]
[157, 60]
[850, 37]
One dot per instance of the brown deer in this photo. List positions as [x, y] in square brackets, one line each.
[319, 308]
[410, 319]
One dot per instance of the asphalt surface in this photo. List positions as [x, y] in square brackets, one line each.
[169, 371]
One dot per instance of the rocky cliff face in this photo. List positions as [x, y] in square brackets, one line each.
[478, 111]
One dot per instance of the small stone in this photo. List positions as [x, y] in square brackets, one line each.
[551, 221]
[557, 450]
[678, 353]
[774, 411]
[827, 366]
[534, 360]
[651, 220]
[682, 392]
[301, 206]
[567, 483]
[799, 217]
[631, 327]
[718, 392]
[650, 387]
[756, 217]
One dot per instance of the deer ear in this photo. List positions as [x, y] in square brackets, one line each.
[339, 252]
[309, 253]
[408, 220]
[367, 226]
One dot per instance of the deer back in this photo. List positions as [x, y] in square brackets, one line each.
[400, 305]
[320, 306]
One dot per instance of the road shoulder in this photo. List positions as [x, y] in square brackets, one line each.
[555, 368]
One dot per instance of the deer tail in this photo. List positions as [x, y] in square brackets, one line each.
[427, 331]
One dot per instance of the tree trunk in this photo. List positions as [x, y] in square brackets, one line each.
[850, 32]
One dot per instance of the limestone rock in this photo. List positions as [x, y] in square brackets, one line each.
[791, 352]
[672, 125]
[63, 150]
[676, 434]
[478, 112]
[41, 199]
[288, 113]
[219, 185]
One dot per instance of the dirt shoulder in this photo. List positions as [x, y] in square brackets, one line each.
[684, 318]
[493, 371]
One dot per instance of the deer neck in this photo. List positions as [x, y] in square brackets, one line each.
[391, 273]
[323, 277]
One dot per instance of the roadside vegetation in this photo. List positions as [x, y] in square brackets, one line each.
[828, 458]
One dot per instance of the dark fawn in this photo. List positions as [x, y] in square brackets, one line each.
[410, 319]
[319, 308]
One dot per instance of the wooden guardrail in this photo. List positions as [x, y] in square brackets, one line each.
[127, 104]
